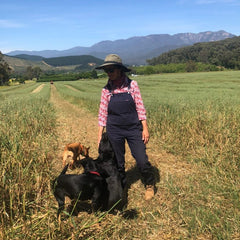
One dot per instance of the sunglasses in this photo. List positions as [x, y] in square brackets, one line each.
[109, 70]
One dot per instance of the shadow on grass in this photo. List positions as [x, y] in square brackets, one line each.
[132, 176]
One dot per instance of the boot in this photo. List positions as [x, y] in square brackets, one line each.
[149, 192]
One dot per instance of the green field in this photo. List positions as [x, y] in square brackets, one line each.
[194, 116]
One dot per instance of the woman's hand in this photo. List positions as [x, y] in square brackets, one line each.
[145, 133]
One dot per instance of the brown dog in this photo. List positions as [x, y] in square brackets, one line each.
[74, 150]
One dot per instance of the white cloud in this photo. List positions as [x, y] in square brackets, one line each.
[10, 24]
[4, 48]
[4, 51]
[215, 1]
[202, 2]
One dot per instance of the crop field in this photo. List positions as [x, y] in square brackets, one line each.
[194, 123]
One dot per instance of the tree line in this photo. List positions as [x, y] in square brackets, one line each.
[189, 66]
[224, 53]
[49, 77]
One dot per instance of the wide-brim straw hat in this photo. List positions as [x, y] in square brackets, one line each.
[113, 59]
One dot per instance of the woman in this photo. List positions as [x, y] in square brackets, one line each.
[123, 114]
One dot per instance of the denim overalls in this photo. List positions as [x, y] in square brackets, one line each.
[123, 123]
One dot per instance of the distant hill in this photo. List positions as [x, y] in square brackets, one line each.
[221, 53]
[69, 63]
[19, 65]
[83, 60]
[29, 57]
[135, 50]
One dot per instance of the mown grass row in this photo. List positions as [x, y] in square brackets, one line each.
[27, 140]
[195, 116]
[83, 93]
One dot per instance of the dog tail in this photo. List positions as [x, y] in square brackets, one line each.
[64, 169]
[55, 181]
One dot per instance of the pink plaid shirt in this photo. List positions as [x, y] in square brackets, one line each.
[105, 98]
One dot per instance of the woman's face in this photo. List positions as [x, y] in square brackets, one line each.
[113, 72]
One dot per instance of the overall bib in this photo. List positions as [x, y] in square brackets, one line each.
[123, 124]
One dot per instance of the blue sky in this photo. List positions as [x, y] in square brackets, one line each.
[63, 24]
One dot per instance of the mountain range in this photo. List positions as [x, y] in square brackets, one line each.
[134, 50]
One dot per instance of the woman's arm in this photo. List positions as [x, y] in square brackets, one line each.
[100, 131]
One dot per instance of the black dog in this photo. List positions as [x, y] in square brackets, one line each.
[107, 167]
[100, 181]
[87, 186]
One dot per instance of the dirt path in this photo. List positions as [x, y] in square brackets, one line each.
[76, 124]
[73, 125]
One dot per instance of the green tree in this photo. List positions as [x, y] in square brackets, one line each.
[191, 66]
[36, 72]
[32, 72]
[94, 74]
[4, 71]
[29, 73]
[149, 70]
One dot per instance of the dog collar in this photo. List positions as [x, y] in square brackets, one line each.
[96, 173]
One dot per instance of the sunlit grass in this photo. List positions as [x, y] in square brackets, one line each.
[194, 116]
[27, 138]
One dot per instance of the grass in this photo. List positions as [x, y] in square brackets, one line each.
[84, 93]
[195, 116]
[27, 127]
